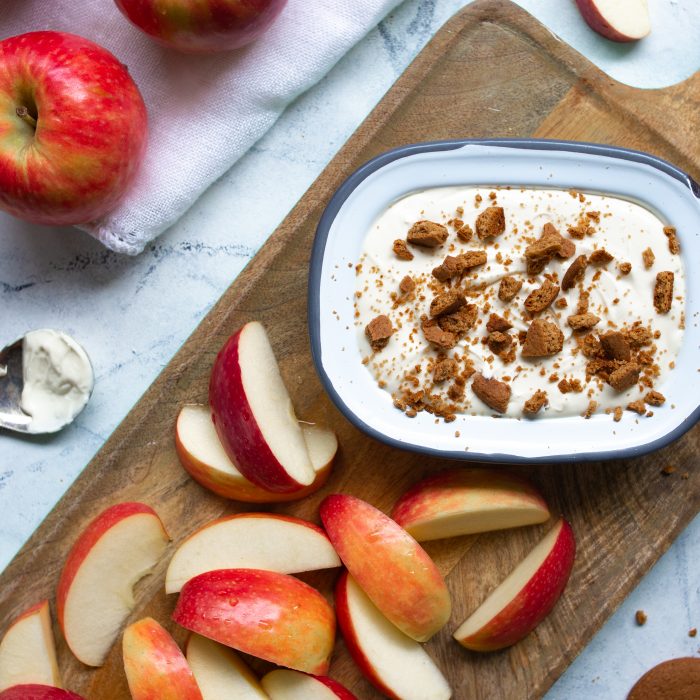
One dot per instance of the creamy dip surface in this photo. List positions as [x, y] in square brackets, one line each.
[622, 228]
[58, 379]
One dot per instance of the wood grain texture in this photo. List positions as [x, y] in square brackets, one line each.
[491, 71]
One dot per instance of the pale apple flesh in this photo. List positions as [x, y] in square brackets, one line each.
[202, 455]
[72, 128]
[395, 664]
[28, 651]
[220, 673]
[154, 665]
[617, 20]
[35, 691]
[202, 26]
[390, 566]
[95, 590]
[525, 597]
[285, 684]
[254, 416]
[267, 541]
[466, 501]
[275, 617]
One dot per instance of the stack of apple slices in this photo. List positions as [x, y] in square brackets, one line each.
[395, 598]
[248, 445]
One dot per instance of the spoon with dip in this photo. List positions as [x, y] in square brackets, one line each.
[46, 380]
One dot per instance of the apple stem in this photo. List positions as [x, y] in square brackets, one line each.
[23, 114]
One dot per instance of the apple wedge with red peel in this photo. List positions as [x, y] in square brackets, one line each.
[154, 665]
[618, 20]
[393, 663]
[275, 617]
[220, 673]
[391, 567]
[525, 597]
[203, 456]
[35, 691]
[254, 416]
[466, 501]
[95, 590]
[284, 684]
[28, 651]
[267, 541]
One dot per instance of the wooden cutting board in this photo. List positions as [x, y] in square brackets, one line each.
[491, 71]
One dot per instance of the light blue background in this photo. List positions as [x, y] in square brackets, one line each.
[133, 314]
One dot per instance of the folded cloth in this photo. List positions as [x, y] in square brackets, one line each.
[205, 111]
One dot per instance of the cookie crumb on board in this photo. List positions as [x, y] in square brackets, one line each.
[640, 617]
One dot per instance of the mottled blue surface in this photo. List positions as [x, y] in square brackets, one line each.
[133, 314]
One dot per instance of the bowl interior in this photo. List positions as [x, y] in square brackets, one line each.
[338, 247]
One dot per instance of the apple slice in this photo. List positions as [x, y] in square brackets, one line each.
[284, 684]
[390, 566]
[273, 616]
[267, 541]
[525, 598]
[154, 664]
[465, 501]
[395, 664]
[618, 20]
[34, 691]
[95, 591]
[203, 456]
[254, 416]
[220, 673]
[28, 651]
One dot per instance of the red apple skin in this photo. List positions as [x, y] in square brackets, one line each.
[84, 544]
[32, 691]
[237, 428]
[273, 616]
[340, 690]
[230, 487]
[342, 610]
[599, 24]
[388, 564]
[196, 26]
[155, 667]
[533, 603]
[90, 128]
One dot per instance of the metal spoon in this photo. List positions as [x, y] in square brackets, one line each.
[12, 417]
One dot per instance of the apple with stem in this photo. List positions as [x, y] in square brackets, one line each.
[28, 651]
[204, 458]
[390, 566]
[202, 25]
[525, 597]
[95, 590]
[267, 541]
[154, 665]
[275, 617]
[72, 128]
[617, 20]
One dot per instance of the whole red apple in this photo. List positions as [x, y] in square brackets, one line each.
[72, 128]
[202, 25]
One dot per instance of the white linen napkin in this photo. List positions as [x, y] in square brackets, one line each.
[205, 111]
